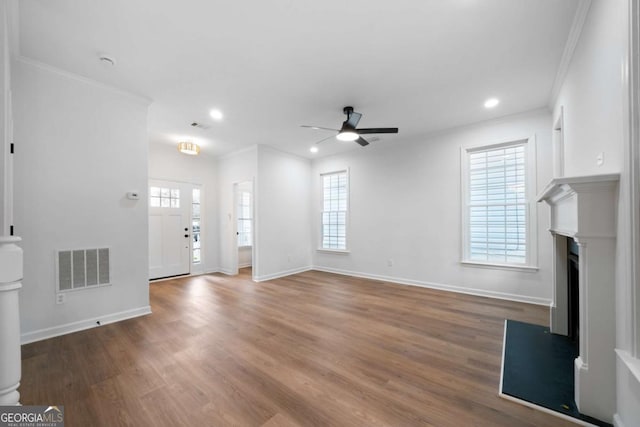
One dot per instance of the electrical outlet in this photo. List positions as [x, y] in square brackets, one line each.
[60, 298]
[600, 159]
[390, 263]
[288, 258]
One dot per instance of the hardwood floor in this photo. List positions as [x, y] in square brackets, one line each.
[309, 349]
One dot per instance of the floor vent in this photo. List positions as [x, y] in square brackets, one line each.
[83, 268]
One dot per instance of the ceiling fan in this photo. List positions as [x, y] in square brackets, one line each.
[348, 131]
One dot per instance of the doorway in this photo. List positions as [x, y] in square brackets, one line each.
[244, 223]
[169, 229]
[558, 145]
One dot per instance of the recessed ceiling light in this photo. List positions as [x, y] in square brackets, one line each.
[216, 114]
[313, 149]
[491, 102]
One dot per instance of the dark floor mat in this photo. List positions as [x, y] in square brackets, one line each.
[538, 368]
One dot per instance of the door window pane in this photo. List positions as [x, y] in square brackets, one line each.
[195, 227]
[164, 197]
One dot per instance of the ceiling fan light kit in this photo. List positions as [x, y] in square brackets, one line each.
[349, 132]
[347, 135]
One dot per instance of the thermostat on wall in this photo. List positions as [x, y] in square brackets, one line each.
[133, 195]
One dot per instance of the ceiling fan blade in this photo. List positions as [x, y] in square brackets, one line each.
[318, 128]
[353, 119]
[324, 139]
[376, 130]
[363, 142]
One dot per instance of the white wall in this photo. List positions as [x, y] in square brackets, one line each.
[592, 92]
[405, 206]
[244, 256]
[594, 97]
[282, 214]
[233, 169]
[80, 147]
[166, 163]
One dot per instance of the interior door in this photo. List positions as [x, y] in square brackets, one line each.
[169, 230]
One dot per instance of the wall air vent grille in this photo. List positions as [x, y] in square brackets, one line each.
[83, 268]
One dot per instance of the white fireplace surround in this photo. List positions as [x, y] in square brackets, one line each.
[584, 208]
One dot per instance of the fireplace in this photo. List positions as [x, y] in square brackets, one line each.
[583, 227]
[573, 291]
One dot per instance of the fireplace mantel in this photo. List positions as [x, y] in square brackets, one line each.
[584, 208]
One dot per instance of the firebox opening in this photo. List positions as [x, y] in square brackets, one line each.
[573, 309]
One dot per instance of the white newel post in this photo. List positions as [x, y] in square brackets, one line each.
[10, 284]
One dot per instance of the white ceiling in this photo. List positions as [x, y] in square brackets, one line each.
[274, 65]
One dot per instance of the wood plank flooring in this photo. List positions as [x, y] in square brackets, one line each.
[310, 349]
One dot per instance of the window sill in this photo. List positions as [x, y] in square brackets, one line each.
[244, 246]
[525, 268]
[334, 251]
[632, 363]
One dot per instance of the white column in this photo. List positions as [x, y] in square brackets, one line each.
[10, 284]
[594, 368]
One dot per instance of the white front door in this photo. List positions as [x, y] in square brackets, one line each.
[169, 229]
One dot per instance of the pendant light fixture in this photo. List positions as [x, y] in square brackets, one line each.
[189, 148]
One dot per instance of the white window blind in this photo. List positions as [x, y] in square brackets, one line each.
[244, 218]
[334, 211]
[497, 206]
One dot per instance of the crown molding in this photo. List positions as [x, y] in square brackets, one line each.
[569, 48]
[64, 73]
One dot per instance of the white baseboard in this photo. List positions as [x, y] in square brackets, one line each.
[546, 410]
[55, 331]
[281, 274]
[617, 421]
[439, 286]
[245, 265]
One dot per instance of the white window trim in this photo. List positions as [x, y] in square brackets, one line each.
[498, 266]
[334, 251]
[532, 217]
[346, 249]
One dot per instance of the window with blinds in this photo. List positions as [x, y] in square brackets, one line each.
[334, 210]
[497, 205]
[244, 218]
